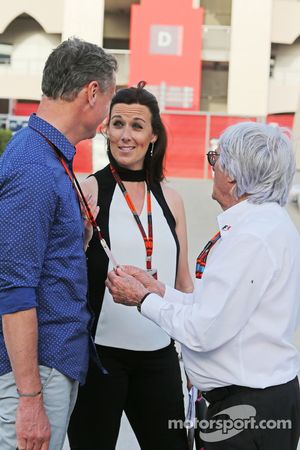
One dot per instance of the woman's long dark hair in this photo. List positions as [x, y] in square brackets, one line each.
[153, 165]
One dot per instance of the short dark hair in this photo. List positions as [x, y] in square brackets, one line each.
[153, 165]
[72, 65]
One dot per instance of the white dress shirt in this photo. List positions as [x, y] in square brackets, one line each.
[237, 326]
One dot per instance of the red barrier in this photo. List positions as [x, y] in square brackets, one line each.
[25, 109]
[219, 123]
[283, 120]
[186, 140]
[186, 145]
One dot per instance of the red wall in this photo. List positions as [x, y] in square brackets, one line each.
[182, 69]
[25, 109]
[283, 120]
[83, 161]
[186, 143]
[187, 138]
[219, 123]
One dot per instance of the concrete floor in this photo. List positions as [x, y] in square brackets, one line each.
[201, 212]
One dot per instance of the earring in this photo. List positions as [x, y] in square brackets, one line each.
[152, 149]
[107, 144]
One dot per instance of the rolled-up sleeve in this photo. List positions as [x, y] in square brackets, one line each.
[28, 201]
[17, 299]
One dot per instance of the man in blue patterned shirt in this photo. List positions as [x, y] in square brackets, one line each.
[44, 335]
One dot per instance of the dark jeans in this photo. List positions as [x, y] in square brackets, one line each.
[276, 403]
[146, 385]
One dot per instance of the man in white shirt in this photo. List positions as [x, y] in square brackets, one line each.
[236, 328]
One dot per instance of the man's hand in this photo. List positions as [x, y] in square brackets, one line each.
[88, 227]
[125, 288]
[32, 425]
[20, 331]
[150, 283]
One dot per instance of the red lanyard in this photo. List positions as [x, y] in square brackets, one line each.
[82, 200]
[148, 240]
[88, 212]
[201, 260]
[80, 195]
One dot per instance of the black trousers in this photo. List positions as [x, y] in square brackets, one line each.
[276, 424]
[146, 385]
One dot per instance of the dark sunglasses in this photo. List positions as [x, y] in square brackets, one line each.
[212, 157]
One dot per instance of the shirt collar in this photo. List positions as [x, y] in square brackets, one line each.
[54, 135]
[229, 218]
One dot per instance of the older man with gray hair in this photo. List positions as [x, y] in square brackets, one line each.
[236, 328]
[45, 333]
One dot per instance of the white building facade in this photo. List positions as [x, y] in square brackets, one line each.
[251, 48]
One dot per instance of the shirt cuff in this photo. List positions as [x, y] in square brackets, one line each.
[151, 307]
[17, 299]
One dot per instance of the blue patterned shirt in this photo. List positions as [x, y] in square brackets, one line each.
[42, 259]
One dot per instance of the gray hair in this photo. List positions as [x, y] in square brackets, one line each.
[72, 65]
[260, 159]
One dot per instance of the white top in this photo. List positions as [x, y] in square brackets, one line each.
[237, 326]
[120, 326]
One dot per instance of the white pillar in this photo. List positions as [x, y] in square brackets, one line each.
[250, 52]
[296, 135]
[84, 19]
[99, 152]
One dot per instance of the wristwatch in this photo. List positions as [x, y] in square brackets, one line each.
[140, 304]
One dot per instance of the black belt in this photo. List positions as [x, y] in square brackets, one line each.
[218, 394]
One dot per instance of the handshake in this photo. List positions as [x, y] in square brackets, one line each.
[129, 285]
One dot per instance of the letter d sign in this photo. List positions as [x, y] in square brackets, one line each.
[166, 39]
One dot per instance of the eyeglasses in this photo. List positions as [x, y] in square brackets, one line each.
[212, 157]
